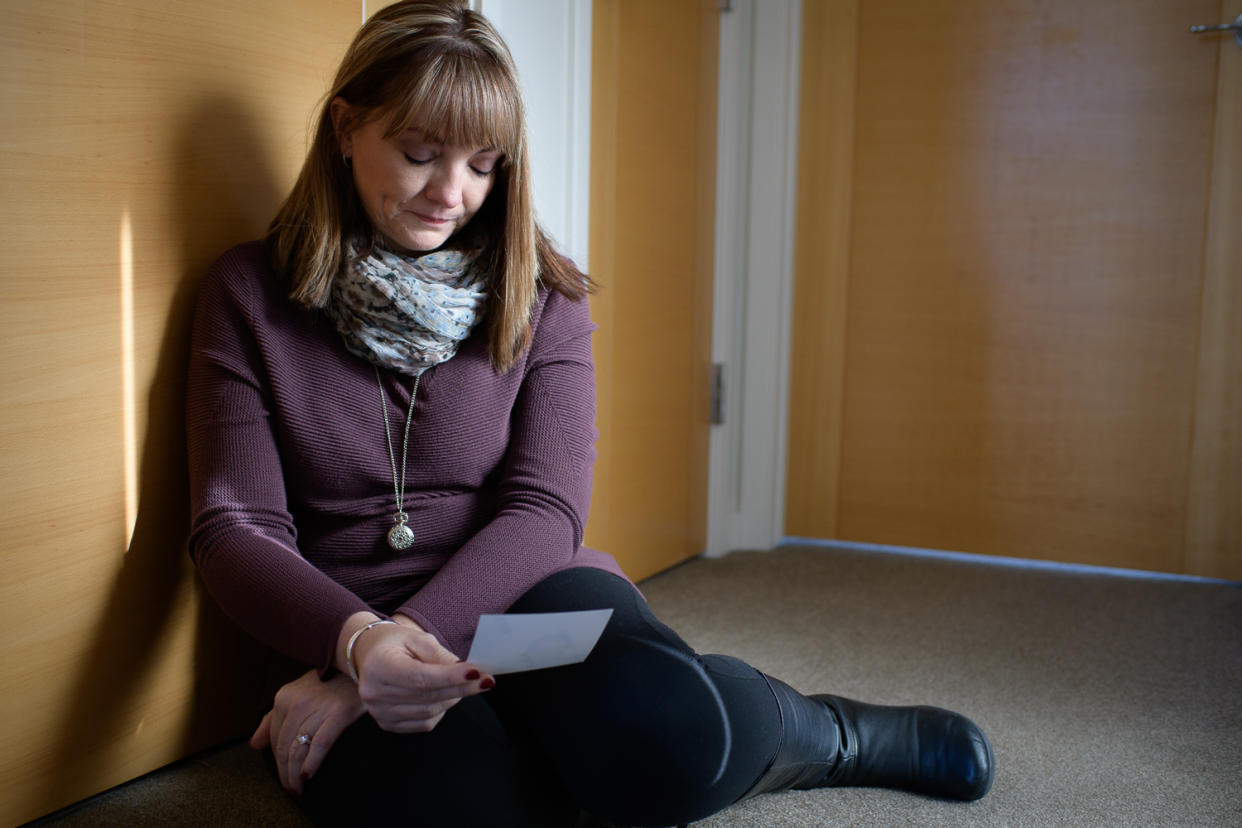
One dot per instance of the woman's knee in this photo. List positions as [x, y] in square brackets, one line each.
[642, 732]
[638, 733]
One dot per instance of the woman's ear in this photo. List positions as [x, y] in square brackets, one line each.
[342, 112]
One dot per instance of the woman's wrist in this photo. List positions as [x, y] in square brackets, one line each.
[351, 661]
[356, 629]
[352, 624]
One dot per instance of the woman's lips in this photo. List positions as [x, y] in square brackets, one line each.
[432, 220]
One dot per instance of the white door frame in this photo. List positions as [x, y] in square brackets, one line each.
[757, 143]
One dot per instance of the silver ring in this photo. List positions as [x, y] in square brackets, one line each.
[303, 739]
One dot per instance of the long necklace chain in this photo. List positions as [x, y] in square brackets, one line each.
[400, 536]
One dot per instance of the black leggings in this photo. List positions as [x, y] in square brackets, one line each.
[644, 732]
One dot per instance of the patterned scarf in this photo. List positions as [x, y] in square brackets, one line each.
[407, 313]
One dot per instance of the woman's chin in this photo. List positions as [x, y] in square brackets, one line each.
[422, 241]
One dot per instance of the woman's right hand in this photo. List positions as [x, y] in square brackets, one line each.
[306, 719]
[407, 680]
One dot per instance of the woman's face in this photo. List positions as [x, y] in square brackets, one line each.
[417, 193]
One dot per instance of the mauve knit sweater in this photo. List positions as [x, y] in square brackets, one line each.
[292, 488]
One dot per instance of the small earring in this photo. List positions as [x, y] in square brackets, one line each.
[348, 161]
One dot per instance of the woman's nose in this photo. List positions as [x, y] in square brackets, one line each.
[444, 186]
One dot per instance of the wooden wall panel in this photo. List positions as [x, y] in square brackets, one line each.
[821, 265]
[1028, 208]
[139, 141]
[605, 65]
[652, 193]
[1214, 497]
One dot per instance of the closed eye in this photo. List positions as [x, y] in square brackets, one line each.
[485, 163]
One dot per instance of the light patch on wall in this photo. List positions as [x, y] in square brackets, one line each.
[129, 437]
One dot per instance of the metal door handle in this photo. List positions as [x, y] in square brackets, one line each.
[1235, 27]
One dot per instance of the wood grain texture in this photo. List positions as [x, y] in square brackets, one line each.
[653, 169]
[139, 142]
[1214, 496]
[1026, 262]
[605, 64]
[821, 265]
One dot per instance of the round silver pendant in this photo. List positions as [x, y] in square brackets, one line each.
[400, 537]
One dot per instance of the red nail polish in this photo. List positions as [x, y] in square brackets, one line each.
[472, 675]
[487, 683]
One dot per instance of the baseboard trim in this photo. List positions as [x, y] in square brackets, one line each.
[1001, 560]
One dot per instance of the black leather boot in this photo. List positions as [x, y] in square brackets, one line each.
[830, 741]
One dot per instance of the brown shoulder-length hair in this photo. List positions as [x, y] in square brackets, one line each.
[437, 66]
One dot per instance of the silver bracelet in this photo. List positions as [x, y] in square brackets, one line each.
[353, 639]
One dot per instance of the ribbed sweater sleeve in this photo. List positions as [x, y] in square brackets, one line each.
[544, 491]
[242, 536]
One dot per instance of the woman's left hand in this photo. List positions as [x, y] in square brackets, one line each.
[307, 706]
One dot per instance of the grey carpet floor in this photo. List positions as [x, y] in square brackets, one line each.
[1110, 700]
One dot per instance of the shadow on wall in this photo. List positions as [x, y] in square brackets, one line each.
[241, 194]
[224, 191]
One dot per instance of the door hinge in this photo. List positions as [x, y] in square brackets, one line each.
[717, 393]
